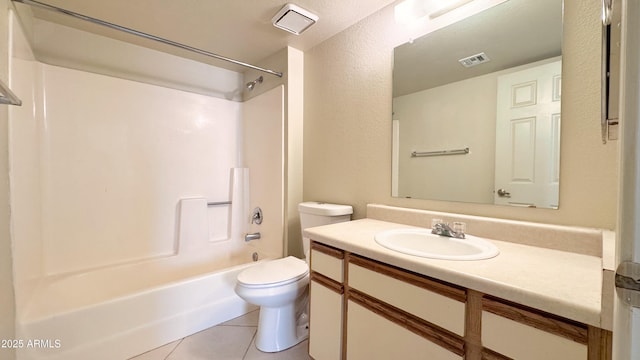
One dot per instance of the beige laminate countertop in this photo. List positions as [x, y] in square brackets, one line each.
[563, 283]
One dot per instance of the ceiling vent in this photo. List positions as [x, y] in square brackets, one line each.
[474, 60]
[294, 19]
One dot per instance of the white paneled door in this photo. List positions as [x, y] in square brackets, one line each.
[528, 137]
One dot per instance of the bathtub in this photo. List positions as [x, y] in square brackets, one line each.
[121, 311]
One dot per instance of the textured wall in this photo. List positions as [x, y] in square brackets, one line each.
[466, 117]
[347, 131]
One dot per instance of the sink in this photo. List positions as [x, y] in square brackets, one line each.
[421, 242]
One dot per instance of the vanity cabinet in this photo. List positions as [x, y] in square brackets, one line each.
[374, 336]
[326, 302]
[394, 314]
[365, 309]
[513, 331]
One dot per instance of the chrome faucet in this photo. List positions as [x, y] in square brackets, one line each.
[441, 228]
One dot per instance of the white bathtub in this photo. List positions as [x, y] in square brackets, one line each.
[118, 312]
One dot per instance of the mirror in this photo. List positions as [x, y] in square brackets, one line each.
[490, 132]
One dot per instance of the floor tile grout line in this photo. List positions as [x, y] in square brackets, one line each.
[174, 349]
[246, 352]
[179, 341]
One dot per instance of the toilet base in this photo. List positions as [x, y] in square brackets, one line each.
[279, 329]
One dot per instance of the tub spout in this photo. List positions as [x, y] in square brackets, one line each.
[254, 236]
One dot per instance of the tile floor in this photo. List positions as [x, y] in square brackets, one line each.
[232, 340]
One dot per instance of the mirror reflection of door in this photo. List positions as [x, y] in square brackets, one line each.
[527, 167]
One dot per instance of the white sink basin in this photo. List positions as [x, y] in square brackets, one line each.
[421, 242]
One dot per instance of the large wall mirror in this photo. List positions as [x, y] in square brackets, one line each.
[476, 108]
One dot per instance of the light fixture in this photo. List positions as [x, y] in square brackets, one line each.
[294, 19]
[409, 11]
[450, 6]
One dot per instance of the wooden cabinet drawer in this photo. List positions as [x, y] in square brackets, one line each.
[371, 336]
[522, 335]
[327, 261]
[416, 296]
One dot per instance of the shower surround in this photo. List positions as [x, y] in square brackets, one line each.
[115, 250]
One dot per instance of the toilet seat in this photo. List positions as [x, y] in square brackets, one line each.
[274, 273]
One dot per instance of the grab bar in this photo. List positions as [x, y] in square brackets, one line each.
[440, 152]
[217, 203]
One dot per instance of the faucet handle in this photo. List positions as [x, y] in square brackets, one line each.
[436, 222]
[459, 227]
[256, 216]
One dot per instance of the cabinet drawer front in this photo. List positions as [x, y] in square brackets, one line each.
[325, 323]
[370, 336]
[327, 265]
[433, 307]
[523, 342]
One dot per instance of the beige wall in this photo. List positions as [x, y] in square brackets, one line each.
[463, 121]
[347, 149]
[7, 306]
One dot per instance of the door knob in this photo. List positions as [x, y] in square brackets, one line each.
[503, 193]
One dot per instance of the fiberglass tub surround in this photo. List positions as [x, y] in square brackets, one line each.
[116, 250]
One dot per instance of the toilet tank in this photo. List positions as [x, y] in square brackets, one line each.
[318, 213]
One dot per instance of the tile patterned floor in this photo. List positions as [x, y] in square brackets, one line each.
[232, 340]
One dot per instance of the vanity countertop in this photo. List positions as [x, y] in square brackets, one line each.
[560, 282]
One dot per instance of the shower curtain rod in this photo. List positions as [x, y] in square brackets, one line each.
[145, 35]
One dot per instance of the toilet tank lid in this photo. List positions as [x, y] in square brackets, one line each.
[324, 209]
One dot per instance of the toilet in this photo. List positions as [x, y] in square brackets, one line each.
[280, 287]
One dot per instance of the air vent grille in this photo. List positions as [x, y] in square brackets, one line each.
[474, 60]
[294, 19]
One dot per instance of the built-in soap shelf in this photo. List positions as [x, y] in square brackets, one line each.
[200, 224]
[203, 221]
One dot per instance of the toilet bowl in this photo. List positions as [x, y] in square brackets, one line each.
[281, 287]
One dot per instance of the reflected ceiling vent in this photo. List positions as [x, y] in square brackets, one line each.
[474, 60]
[294, 19]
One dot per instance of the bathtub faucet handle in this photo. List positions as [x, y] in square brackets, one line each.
[254, 236]
[256, 216]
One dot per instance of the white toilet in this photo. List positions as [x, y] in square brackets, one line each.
[280, 287]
